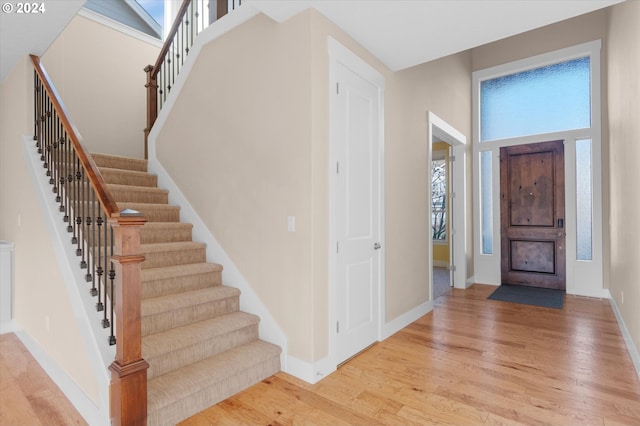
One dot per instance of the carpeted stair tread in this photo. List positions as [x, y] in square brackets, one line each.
[174, 279]
[191, 334]
[118, 162]
[173, 349]
[128, 177]
[177, 395]
[154, 212]
[140, 194]
[168, 254]
[185, 299]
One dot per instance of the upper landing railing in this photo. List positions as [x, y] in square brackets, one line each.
[193, 17]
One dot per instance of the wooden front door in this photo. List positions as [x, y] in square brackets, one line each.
[532, 215]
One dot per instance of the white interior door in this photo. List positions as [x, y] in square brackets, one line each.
[357, 212]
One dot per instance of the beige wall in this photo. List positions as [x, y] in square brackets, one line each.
[254, 117]
[98, 72]
[40, 292]
[624, 136]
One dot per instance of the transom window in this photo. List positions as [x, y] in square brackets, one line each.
[547, 99]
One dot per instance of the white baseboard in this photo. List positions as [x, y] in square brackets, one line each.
[405, 319]
[78, 398]
[631, 347]
[470, 281]
[310, 372]
[9, 327]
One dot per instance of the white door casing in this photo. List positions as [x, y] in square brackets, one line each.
[356, 183]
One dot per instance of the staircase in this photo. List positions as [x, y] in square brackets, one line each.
[200, 348]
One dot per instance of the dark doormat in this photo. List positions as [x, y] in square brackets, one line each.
[544, 297]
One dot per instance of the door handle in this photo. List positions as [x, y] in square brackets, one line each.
[560, 223]
[377, 246]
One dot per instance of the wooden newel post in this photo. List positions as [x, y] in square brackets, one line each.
[152, 105]
[128, 392]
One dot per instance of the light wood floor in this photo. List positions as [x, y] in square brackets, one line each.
[470, 361]
[28, 397]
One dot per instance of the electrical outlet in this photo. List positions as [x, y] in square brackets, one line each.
[291, 223]
[621, 297]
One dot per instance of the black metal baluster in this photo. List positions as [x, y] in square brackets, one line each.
[112, 301]
[101, 260]
[36, 93]
[69, 184]
[61, 168]
[76, 202]
[54, 155]
[90, 227]
[85, 218]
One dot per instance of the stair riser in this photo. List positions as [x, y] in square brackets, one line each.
[129, 195]
[171, 214]
[120, 163]
[170, 258]
[166, 363]
[172, 235]
[190, 314]
[154, 236]
[179, 284]
[123, 178]
[203, 398]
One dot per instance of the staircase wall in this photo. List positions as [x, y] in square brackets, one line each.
[98, 71]
[44, 318]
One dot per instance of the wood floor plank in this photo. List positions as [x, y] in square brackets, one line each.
[27, 395]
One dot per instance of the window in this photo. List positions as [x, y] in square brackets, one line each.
[439, 196]
[541, 100]
[486, 201]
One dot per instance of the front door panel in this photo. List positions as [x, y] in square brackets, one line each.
[532, 215]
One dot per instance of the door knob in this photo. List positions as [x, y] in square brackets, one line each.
[377, 246]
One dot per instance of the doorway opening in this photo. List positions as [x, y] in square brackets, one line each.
[441, 213]
[447, 199]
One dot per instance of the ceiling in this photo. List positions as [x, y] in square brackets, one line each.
[404, 33]
[401, 33]
[22, 34]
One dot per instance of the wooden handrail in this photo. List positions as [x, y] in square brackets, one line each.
[93, 173]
